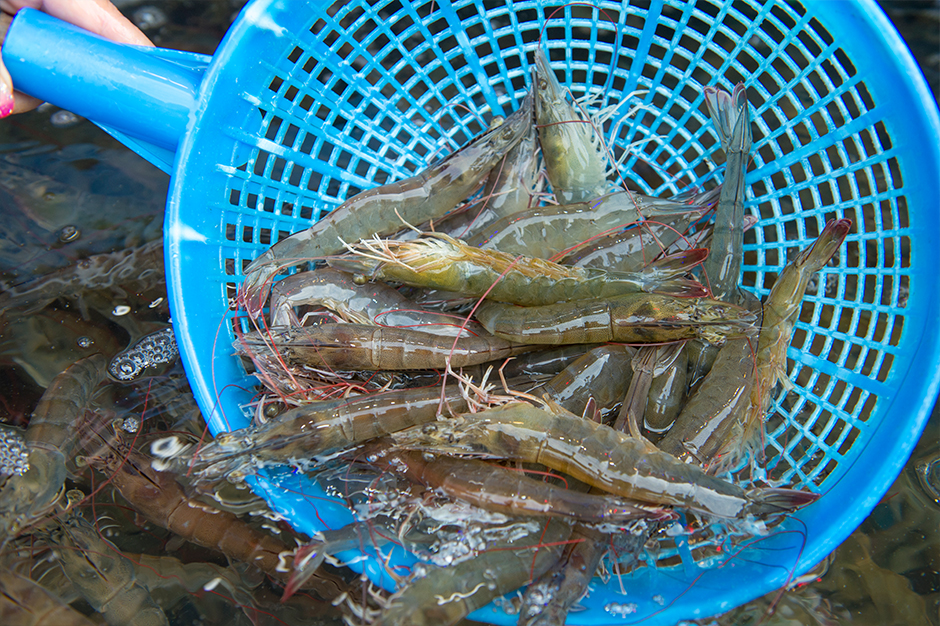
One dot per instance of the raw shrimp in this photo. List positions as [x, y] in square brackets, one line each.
[546, 231]
[574, 154]
[51, 437]
[704, 424]
[27, 603]
[635, 318]
[781, 309]
[442, 596]
[598, 455]
[503, 490]
[382, 210]
[363, 347]
[667, 396]
[159, 498]
[602, 374]
[441, 262]
[372, 303]
[103, 576]
[325, 427]
[732, 120]
[135, 269]
[649, 362]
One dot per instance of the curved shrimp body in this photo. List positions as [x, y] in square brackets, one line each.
[160, 499]
[52, 437]
[602, 374]
[573, 152]
[781, 309]
[633, 318]
[649, 363]
[732, 120]
[445, 595]
[362, 347]
[370, 303]
[441, 262]
[27, 603]
[667, 395]
[382, 210]
[53, 423]
[504, 490]
[326, 427]
[103, 576]
[598, 455]
[546, 231]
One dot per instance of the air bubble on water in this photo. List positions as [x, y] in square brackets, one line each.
[148, 18]
[85, 342]
[127, 366]
[131, 424]
[619, 609]
[121, 309]
[14, 455]
[69, 233]
[159, 347]
[661, 601]
[156, 303]
[63, 119]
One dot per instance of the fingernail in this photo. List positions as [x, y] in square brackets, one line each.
[6, 99]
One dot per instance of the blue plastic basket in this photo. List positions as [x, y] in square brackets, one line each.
[305, 104]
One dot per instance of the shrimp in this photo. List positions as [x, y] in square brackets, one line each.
[134, 270]
[323, 428]
[781, 310]
[159, 498]
[27, 603]
[544, 232]
[103, 576]
[575, 155]
[732, 120]
[634, 318]
[374, 303]
[51, 438]
[503, 490]
[441, 262]
[362, 347]
[602, 374]
[382, 210]
[667, 395]
[649, 363]
[704, 424]
[598, 455]
[442, 596]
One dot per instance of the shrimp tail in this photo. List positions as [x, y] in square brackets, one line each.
[764, 502]
[680, 288]
[307, 561]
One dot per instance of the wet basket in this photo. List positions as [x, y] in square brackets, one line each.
[304, 105]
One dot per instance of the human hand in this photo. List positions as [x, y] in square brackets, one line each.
[98, 16]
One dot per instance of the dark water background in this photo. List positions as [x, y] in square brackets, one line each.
[68, 191]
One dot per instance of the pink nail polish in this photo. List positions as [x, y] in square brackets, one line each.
[6, 100]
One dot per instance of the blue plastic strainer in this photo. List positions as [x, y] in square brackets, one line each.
[306, 103]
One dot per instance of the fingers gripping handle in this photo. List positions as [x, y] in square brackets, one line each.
[147, 94]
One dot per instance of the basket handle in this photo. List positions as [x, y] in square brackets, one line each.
[144, 97]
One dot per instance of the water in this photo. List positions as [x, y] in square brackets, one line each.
[68, 191]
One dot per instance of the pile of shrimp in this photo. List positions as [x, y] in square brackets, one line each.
[508, 364]
[633, 372]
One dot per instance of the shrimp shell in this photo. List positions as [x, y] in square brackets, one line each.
[598, 455]
[634, 318]
[363, 347]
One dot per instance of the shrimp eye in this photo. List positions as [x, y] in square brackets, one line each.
[507, 134]
[543, 84]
